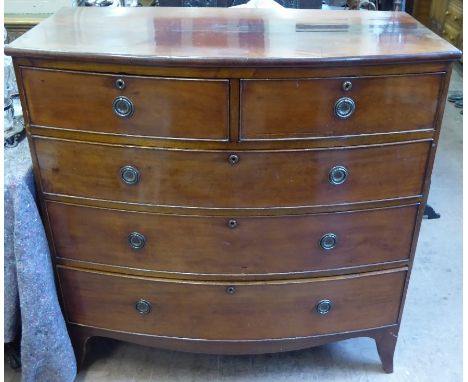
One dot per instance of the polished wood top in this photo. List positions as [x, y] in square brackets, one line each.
[233, 37]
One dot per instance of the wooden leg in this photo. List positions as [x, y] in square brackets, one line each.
[386, 343]
[79, 338]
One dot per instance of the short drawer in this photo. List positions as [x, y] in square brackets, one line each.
[128, 105]
[285, 109]
[220, 179]
[242, 311]
[241, 246]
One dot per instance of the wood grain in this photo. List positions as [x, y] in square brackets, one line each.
[228, 212]
[207, 311]
[270, 144]
[231, 37]
[204, 245]
[164, 107]
[383, 105]
[207, 179]
[80, 334]
[242, 72]
[206, 84]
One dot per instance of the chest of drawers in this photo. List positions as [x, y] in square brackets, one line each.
[232, 181]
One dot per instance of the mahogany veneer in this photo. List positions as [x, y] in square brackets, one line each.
[158, 104]
[232, 181]
[206, 179]
[307, 111]
[202, 310]
[258, 246]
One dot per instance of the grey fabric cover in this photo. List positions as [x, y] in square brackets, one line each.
[30, 295]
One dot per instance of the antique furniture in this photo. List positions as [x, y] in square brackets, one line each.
[233, 181]
[444, 17]
[18, 24]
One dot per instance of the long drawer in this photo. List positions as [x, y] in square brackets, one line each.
[219, 179]
[321, 107]
[231, 246]
[128, 105]
[242, 311]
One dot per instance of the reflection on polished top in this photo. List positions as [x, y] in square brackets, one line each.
[214, 36]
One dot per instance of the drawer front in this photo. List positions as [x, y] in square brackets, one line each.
[283, 109]
[208, 179]
[231, 246]
[218, 311]
[166, 108]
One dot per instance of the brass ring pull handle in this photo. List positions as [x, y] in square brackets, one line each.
[136, 240]
[344, 107]
[123, 107]
[324, 307]
[337, 175]
[143, 306]
[130, 175]
[328, 241]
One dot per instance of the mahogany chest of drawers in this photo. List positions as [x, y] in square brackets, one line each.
[229, 180]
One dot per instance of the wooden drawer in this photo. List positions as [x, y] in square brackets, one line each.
[254, 310]
[285, 109]
[196, 245]
[208, 179]
[164, 108]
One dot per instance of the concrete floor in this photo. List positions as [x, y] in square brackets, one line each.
[429, 345]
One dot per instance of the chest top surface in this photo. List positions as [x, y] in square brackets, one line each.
[231, 37]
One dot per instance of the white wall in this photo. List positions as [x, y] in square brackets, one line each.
[34, 6]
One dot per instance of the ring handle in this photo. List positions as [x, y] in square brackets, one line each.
[143, 306]
[328, 241]
[344, 108]
[123, 107]
[129, 175]
[324, 307]
[338, 175]
[136, 240]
